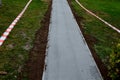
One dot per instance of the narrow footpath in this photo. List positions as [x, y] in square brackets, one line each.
[68, 56]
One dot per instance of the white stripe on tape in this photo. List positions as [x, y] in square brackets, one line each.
[0, 43]
[8, 30]
[11, 26]
[15, 20]
[5, 33]
[2, 38]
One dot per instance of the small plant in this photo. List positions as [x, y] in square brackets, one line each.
[114, 61]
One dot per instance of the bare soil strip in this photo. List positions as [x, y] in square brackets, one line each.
[35, 64]
[91, 41]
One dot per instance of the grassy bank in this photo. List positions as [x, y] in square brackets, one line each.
[14, 52]
[106, 38]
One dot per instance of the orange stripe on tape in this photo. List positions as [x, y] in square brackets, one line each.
[4, 35]
[1, 40]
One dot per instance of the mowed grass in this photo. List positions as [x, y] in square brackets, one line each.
[106, 37]
[109, 10]
[14, 52]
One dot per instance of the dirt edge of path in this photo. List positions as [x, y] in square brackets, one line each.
[35, 64]
[91, 41]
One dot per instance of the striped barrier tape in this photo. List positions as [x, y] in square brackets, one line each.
[111, 26]
[9, 29]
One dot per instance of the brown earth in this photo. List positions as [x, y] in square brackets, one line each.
[35, 64]
[91, 41]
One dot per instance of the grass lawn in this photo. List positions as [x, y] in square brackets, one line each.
[107, 39]
[14, 52]
[109, 10]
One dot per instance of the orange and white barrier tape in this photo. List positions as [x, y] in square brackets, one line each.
[114, 28]
[9, 29]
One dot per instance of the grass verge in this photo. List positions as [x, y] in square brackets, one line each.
[105, 39]
[14, 51]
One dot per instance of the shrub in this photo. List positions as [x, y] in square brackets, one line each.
[114, 63]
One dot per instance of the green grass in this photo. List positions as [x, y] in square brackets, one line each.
[107, 38]
[14, 52]
[107, 9]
